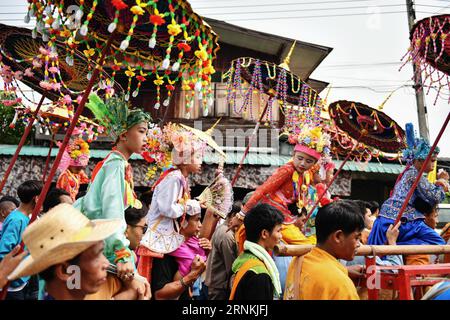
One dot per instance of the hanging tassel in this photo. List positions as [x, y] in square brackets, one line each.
[12, 125]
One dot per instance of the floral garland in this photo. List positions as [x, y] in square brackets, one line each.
[162, 141]
[78, 149]
[313, 138]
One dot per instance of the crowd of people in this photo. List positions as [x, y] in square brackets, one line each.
[110, 243]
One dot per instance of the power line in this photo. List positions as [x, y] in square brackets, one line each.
[293, 17]
[297, 10]
[304, 10]
[281, 4]
[321, 16]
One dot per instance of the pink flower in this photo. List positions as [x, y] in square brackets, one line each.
[56, 86]
[7, 78]
[37, 63]
[53, 69]
[44, 51]
[9, 103]
[46, 85]
[6, 69]
[18, 75]
[28, 72]
[67, 99]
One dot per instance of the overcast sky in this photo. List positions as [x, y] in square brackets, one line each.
[368, 37]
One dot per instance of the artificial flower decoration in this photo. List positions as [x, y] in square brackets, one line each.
[159, 80]
[312, 138]
[174, 29]
[130, 72]
[78, 148]
[184, 46]
[201, 53]
[157, 18]
[119, 4]
[146, 34]
[28, 72]
[137, 10]
[89, 53]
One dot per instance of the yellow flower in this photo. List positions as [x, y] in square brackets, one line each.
[186, 86]
[316, 132]
[174, 28]
[130, 72]
[201, 53]
[89, 53]
[159, 80]
[137, 10]
[209, 70]
[141, 4]
[75, 154]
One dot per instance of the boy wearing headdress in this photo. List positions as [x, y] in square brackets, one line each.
[75, 159]
[413, 230]
[111, 189]
[291, 185]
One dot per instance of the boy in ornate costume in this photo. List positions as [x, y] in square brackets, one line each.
[413, 229]
[111, 189]
[291, 184]
[75, 159]
[171, 197]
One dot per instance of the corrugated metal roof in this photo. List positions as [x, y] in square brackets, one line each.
[257, 159]
[36, 151]
[374, 167]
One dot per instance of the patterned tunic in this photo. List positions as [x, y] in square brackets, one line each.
[425, 190]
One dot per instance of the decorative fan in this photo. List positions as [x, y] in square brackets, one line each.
[218, 196]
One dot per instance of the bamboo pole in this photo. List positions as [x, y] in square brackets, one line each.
[364, 250]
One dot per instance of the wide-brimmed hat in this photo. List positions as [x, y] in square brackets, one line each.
[60, 235]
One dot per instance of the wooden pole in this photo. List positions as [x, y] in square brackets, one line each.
[21, 143]
[364, 250]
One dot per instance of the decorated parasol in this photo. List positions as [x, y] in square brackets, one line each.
[81, 25]
[341, 143]
[165, 42]
[44, 70]
[430, 52]
[206, 136]
[368, 127]
[278, 83]
[32, 62]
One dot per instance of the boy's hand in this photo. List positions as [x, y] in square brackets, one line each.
[392, 234]
[205, 244]
[198, 266]
[125, 271]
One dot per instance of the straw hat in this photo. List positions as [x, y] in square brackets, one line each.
[60, 235]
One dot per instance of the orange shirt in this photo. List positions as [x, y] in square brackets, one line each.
[108, 290]
[324, 278]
